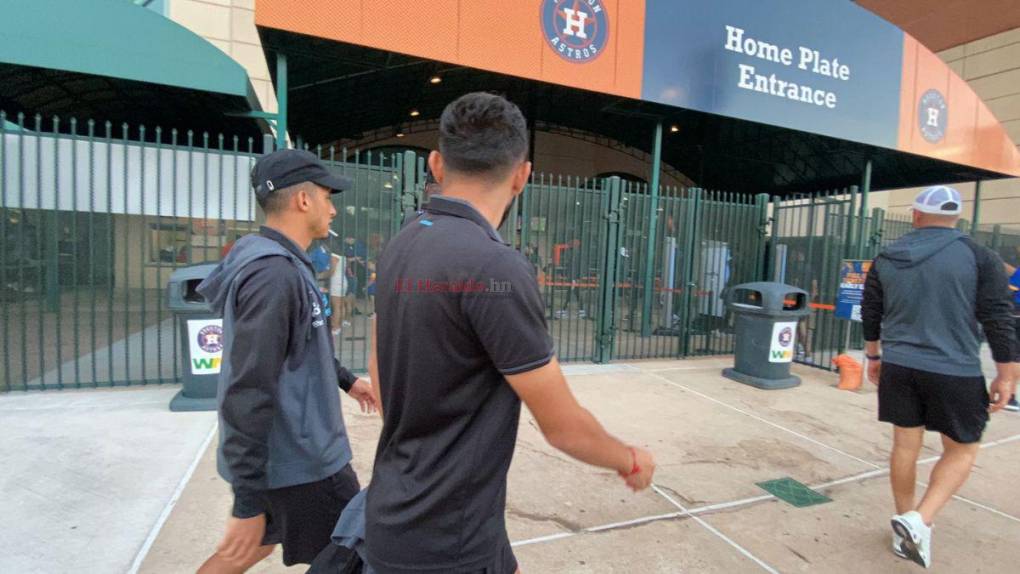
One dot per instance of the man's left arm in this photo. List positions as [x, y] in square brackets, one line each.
[357, 388]
[993, 312]
[872, 311]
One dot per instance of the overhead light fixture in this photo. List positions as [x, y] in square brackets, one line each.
[400, 134]
[415, 113]
[435, 80]
[674, 128]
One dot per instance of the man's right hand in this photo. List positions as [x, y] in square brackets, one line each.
[1001, 390]
[243, 539]
[874, 371]
[643, 478]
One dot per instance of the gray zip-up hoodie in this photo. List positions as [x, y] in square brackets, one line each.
[280, 417]
[925, 296]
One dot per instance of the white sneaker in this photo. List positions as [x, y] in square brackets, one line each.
[897, 546]
[916, 535]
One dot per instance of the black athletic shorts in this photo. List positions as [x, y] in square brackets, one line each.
[303, 517]
[502, 562]
[954, 406]
[1016, 340]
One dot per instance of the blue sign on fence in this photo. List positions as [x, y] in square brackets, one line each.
[852, 273]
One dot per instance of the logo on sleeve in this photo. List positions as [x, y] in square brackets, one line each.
[318, 319]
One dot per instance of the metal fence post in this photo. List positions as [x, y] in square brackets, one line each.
[770, 274]
[281, 100]
[877, 224]
[687, 283]
[850, 247]
[606, 325]
[646, 307]
[977, 208]
[865, 190]
[761, 246]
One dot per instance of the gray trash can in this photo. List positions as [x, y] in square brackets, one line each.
[201, 339]
[766, 316]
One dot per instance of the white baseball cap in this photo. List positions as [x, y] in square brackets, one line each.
[939, 200]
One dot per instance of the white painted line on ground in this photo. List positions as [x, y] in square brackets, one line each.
[752, 500]
[633, 522]
[88, 407]
[732, 504]
[671, 369]
[842, 452]
[575, 370]
[764, 420]
[981, 506]
[715, 531]
[594, 529]
[144, 551]
[540, 539]
[1008, 439]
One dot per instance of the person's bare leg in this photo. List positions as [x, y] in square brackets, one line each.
[907, 443]
[216, 564]
[339, 311]
[947, 477]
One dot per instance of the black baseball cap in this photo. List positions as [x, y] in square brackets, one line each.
[286, 167]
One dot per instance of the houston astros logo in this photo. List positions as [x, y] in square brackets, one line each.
[210, 338]
[786, 337]
[576, 29]
[932, 116]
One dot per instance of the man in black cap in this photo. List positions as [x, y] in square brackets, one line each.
[283, 446]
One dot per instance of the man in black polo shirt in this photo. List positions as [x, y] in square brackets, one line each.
[460, 340]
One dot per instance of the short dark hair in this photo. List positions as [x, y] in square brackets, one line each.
[482, 134]
[276, 201]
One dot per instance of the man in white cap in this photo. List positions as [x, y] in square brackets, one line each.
[924, 298]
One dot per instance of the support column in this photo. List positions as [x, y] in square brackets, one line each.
[977, 208]
[649, 282]
[281, 100]
[761, 206]
[605, 325]
[862, 244]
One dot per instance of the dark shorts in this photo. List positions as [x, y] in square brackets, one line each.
[1016, 340]
[954, 406]
[303, 517]
[503, 562]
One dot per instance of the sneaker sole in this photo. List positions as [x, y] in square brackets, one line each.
[899, 551]
[908, 547]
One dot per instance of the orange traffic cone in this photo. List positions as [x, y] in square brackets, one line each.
[851, 373]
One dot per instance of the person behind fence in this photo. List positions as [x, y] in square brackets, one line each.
[356, 253]
[572, 262]
[338, 291]
[460, 338]
[1014, 287]
[288, 463]
[924, 297]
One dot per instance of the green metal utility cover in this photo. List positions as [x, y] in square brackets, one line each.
[794, 492]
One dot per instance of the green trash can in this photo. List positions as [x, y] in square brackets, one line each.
[200, 349]
[766, 316]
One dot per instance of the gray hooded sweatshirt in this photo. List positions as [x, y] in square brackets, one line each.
[280, 418]
[925, 296]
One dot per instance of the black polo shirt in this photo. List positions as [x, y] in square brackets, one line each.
[457, 309]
